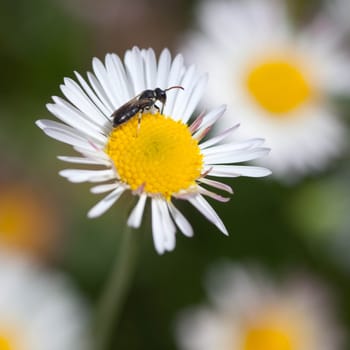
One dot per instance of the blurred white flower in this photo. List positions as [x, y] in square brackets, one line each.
[38, 310]
[250, 312]
[278, 79]
[339, 13]
[160, 158]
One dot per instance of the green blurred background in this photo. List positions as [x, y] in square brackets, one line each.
[283, 228]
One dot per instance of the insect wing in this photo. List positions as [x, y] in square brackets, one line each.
[125, 112]
[145, 103]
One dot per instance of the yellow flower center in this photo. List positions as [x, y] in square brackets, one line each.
[266, 338]
[161, 157]
[278, 85]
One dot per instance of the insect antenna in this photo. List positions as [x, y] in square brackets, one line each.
[171, 87]
[174, 87]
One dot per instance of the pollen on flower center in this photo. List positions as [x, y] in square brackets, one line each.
[278, 85]
[162, 157]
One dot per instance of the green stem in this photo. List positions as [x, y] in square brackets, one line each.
[115, 291]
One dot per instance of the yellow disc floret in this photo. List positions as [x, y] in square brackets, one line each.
[160, 156]
[278, 85]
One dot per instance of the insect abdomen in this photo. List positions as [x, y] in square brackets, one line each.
[120, 118]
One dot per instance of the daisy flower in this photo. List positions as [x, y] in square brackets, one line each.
[278, 80]
[248, 311]
[38, 310]
[160, 156]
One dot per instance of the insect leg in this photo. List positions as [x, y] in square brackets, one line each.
[161, 112]
[139, 117]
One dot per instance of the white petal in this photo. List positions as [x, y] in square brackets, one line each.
[62, 133]
[82, 160]
[78, 97]
[134, 66]
[175, 76]
[163, 228]
[103, 188]
[182, 99]
[82, 175]
[210, 118]
[150, 68]
[232, 147]
[204, 207]
[236, 157]
[213, 195]
[157, 227]
[216, 184]
[194, 97]
[100, 104]
[48, 123]
[103, 78]
[182, 223]
[136, 215]
[93, 152]
[163, 69]
[99, 91]
[218, 138]
[102, 206]
[119, 83]
[75, 118]
[169, 228]
[237, 170]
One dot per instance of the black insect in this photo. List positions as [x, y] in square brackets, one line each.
[144, 101]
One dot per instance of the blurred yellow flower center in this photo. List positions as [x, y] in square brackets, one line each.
[161, 157]
[26, 220]
[5, 344]
[278, 85]
[267, 338]
[12, 220]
